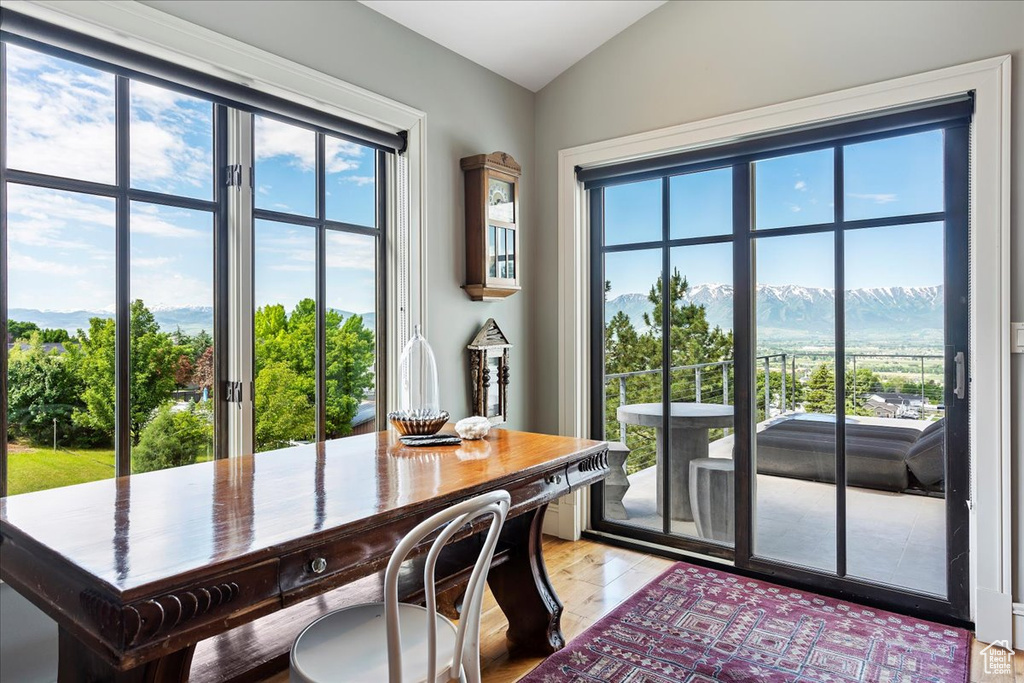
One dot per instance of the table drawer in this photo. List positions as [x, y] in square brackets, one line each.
[337, 561]
[589, 470]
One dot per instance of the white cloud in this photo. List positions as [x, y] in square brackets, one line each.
[147, 219]
[359, 180]
[800, 186]
[876, 198]
[151, 262]
[25, 263]
[61, 122]
[58, 220]
[297, 146]
[794, 208]
[355, 252]
[171, 288]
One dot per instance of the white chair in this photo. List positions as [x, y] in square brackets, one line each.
[422, 645]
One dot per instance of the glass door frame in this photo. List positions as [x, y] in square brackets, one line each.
[955, 218]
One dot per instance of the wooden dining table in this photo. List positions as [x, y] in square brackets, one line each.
[207, 572]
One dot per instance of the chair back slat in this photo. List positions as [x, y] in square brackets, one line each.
[495, 505]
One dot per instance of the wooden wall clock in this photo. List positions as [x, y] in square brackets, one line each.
[492, 226]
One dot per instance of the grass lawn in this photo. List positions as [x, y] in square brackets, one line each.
[34, 469]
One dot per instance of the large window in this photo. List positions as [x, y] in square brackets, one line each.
[316, 264]
[109, 201]
[117, 218]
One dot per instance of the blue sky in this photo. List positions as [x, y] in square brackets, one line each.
[286, 181]
[61, 244]
[882, 178]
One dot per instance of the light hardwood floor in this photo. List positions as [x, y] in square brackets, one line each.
[592, 579]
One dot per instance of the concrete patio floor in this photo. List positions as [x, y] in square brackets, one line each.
[897, 539]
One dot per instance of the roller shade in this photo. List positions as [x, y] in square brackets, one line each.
[936, 114]
[33, 33]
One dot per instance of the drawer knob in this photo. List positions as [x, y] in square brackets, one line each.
[319, 565]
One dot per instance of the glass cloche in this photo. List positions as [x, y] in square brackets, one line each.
[419, 406]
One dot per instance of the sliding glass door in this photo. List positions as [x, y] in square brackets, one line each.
[795, 398]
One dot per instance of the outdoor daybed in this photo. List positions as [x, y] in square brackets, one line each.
[890, 458]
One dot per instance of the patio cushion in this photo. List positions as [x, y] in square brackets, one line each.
[927, 457]
[805, 449]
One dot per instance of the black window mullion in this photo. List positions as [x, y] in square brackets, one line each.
[122, 256]
[176, 201]
[53, 182]
[666, 360]
[221, 285]
[743, 351]
[597, 319]
[956, 180]
[380, 366]
[840, 373]
[321, 290]
[3, 263]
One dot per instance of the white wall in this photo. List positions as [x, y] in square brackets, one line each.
[689, 61]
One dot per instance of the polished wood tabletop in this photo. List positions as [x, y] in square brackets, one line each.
[137, 570]
[132, 531]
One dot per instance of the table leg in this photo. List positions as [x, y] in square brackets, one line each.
[523, 590]
[77, 663]
[687, 445]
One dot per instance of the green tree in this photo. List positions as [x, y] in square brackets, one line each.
[693, 340]
[820, 394]
[153, 362]
[25, 330]
[283, 411]
[349, 359]
[43, 387]
[172, 438]
[289, 342]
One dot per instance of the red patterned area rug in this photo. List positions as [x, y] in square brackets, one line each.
[693, 625]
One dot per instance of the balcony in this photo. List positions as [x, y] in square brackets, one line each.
[896, 528]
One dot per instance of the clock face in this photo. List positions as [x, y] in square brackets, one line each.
[500, 200]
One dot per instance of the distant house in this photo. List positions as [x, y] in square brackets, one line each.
[893, 404]
[909, 400]
[365, 419]
[879, 408]
[47, 347]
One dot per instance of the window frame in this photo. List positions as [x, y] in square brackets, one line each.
[124, 195]
[743, 237]
[322, 224]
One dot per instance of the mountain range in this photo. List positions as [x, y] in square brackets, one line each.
[191, 319]
[789, 310]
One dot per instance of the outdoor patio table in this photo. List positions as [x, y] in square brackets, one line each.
[689, 423]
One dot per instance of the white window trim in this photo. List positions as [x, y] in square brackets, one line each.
[990, 520]
[158, 34]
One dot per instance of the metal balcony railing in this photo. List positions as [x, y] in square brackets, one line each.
[786, 398]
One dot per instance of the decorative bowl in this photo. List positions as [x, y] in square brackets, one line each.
[409, 425]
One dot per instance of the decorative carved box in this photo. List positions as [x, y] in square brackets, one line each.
[489, 372]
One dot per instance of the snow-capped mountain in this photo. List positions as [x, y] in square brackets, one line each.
[793, 309]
